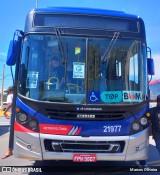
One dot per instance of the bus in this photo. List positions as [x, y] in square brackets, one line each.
[154, 87]
[95, 110]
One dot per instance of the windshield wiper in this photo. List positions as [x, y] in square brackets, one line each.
[61, 49]
[60, 44]
[110, 46]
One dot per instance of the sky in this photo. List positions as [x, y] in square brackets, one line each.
[13, 14]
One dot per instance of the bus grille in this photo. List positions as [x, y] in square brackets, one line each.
[115, 115]
[83, 146]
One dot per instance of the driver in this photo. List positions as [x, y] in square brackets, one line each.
[57, 71]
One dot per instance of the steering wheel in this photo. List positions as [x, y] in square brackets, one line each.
[55, 82]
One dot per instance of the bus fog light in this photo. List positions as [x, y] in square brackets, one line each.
[143, 121]
[135, 126]
[22, 117]
[29, 147]
[33, 124]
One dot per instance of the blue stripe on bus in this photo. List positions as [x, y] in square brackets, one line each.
[102, 128]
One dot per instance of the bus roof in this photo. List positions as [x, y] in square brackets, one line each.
[89, 11]
[44, 19]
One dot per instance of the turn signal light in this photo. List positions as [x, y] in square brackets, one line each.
[148, 114]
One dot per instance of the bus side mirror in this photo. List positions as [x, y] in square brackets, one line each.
[150, 63]
[13, 52]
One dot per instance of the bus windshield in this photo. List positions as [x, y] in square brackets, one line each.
[83, 70]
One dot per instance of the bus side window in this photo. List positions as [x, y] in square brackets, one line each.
[114, 75]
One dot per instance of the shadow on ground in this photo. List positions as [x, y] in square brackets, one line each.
[72, 168]
[3, 130]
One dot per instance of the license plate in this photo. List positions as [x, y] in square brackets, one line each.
[84, 158]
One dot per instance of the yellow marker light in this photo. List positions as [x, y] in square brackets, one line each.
[148, 114]
[17, 109]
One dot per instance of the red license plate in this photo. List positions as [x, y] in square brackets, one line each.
[84, 158]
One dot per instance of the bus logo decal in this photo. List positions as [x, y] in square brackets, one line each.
[132, 96]
[59, 129]
[86, 116]
[74, 131]
[55, 129]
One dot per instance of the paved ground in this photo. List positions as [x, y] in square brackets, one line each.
[2, 112]
[4, 121]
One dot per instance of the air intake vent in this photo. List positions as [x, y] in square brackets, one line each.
[85, 147]
[118, 115]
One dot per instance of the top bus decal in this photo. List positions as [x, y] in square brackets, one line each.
[111, 96]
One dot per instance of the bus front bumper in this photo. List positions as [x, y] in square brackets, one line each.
[29, 147]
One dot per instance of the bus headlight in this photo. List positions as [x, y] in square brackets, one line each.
[22, 117]
[33, 124]
[135, 126]
[26, 120]
[139, 125]
[143, 121]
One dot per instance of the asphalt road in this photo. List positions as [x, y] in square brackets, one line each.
[62, 167]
